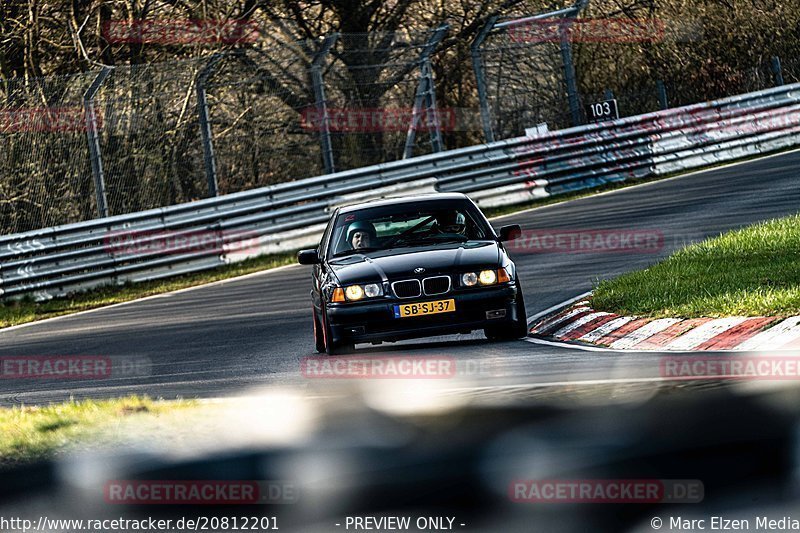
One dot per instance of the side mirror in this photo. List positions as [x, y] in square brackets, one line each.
[307, 257]
[509, 233]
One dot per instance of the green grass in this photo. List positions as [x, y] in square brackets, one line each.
[26, 310]
[29, 434]
[749, 272]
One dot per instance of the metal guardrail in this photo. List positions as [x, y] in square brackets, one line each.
[129, 248]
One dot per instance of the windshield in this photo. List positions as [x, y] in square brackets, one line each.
[406, 224]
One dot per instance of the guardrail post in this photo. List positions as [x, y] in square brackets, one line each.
[205, 125]
[94, 141]
[777, 71]
[426, 96]
[480, 76]
[321, 102]
[662, 94]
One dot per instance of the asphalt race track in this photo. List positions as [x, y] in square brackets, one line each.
[225, 338]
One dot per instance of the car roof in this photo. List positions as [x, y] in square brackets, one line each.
[404, 200]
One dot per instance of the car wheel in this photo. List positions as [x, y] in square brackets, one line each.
[515, 330]
[330, 347]
[319, 339]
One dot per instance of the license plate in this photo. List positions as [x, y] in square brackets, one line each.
[424, 308]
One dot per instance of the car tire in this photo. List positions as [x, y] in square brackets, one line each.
[339, 349]
[516, 329]
[333, 348]
[319, 339]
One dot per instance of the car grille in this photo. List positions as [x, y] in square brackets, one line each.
[436, 285]
[409, 288]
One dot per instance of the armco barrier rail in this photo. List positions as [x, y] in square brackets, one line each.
[59, 260]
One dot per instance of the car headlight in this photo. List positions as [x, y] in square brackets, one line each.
[487, 277]
[354, 292]
[469, 279]
[372, 290]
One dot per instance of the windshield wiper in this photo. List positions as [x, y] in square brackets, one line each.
[433, 239]
[407, 233]
[448, 237]
[354, 251]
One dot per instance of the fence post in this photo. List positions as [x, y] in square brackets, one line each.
[205, 125]
[569, 66]
[321, 102]
[432, 111]
[426, 95]
[480, 76]
[777, 71]
[94, 141]
[662, 94]
[565, 16]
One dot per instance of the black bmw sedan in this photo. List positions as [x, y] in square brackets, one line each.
[412, 267]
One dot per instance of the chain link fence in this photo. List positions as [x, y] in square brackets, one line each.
[149, 141]
[525, 84]
[550, 67]
[525, 72]
[117, 140]
[43, 181]
[256, 101]
[381, 98]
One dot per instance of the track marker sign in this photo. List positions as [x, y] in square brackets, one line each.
[602, 111]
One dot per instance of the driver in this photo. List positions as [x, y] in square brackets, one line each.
[451, 222]
[362, 235]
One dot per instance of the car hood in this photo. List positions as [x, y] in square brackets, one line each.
[399, 263]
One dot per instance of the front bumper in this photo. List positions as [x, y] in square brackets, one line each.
[375, 321]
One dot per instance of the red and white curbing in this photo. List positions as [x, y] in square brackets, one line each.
[581, 324]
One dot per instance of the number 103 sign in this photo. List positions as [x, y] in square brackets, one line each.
[600, 111]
